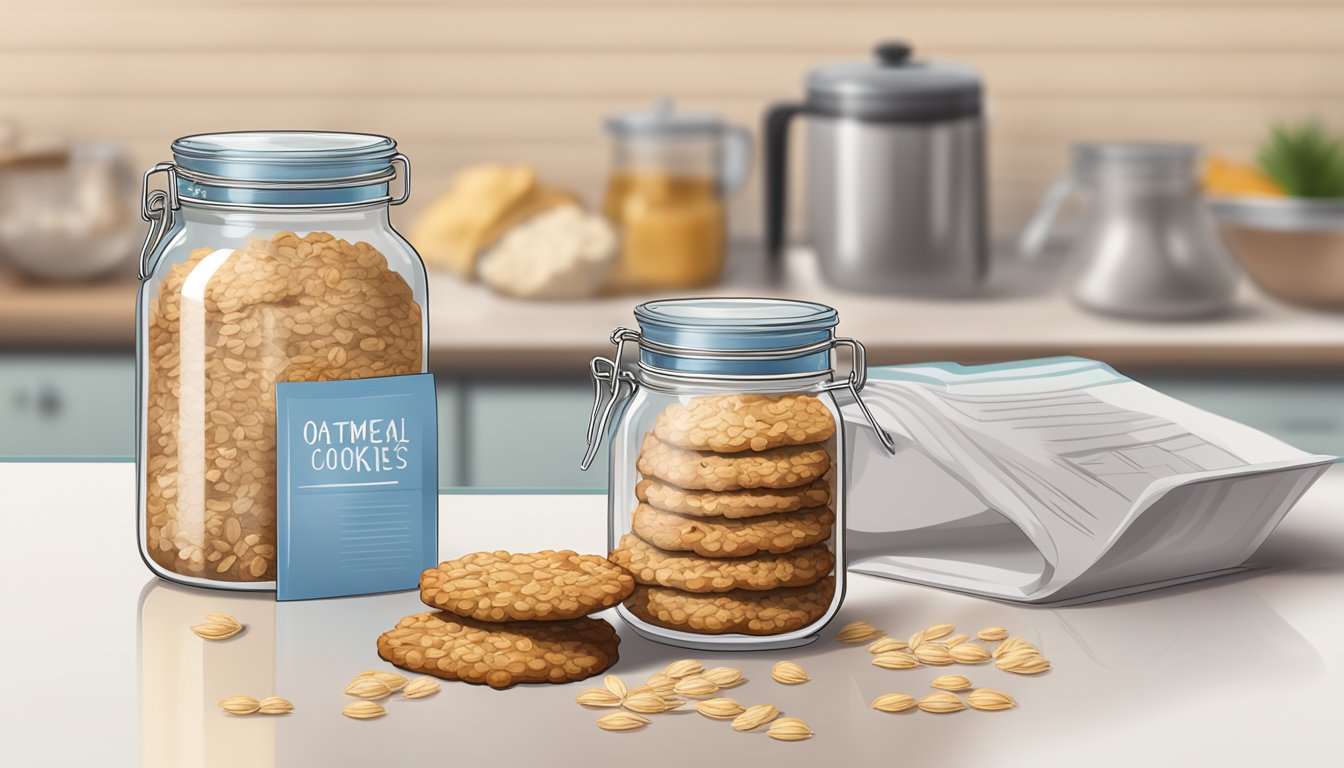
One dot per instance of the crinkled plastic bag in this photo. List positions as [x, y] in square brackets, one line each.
[1056, 480]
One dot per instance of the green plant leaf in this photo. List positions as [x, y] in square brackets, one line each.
[1304, 159]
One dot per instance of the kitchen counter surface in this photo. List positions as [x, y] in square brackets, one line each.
[103, 671]
[1022, 313]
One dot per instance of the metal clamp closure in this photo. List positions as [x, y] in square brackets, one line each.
[156, 207]
[607, 372]
[405, 163]
[854, 382]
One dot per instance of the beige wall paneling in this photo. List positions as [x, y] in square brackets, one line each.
[463, 81]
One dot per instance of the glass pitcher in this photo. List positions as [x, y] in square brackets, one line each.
[670, 174]
[1145, 246]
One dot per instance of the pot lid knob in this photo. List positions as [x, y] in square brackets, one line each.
[893, 53]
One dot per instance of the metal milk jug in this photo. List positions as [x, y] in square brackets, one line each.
[1146, 247]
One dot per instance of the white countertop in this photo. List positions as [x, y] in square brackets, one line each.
[1022, 312]
[101, 669]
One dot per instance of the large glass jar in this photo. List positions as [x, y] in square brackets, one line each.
[727, 487]
[270, 258]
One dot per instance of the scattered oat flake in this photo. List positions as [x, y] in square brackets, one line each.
[789, 729]
[894, 702]
[622, 721]
[858, 632]
[789, 673]
[988, 700]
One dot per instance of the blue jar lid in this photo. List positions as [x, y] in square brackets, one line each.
[715, 335]
[284, 167]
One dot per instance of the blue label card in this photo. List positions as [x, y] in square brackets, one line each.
[358, 493]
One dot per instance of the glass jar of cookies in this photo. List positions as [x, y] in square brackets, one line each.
[270, 258]
[727, 487]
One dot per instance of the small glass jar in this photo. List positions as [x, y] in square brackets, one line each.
[270, 258]
[727, 487]
[670, 174]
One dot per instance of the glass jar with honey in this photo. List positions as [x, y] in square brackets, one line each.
[670, 174]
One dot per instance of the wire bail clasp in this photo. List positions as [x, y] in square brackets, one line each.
[156, 207]
[854, 382]
[607, 372]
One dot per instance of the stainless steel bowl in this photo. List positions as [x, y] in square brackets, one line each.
[69, 214]
[1293, 248]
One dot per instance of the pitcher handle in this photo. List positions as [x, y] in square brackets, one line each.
[735, 162]
[1036, 234]
[775, 134]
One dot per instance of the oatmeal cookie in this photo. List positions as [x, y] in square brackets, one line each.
[656, 567]
[734, 504]
[699, 470]
[712, 537]
[745, 422]
[739, 611]
[534, 586]
[500, 655]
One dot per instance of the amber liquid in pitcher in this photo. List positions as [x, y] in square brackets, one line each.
[673, 229]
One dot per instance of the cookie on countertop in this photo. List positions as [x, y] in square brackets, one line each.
[733, 504]
[745, 422]
[740, 611]
[699, 470]
[500, 655]
[717, 537]
[533, 586]
[655, 567]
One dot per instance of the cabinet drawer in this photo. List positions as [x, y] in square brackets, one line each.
[529, 435]
[67, 406]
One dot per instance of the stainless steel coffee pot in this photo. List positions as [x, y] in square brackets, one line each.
[895, 174]
[1145, 246]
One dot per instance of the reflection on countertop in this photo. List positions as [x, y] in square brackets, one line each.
[1178, 665]
[1164, 655]
[1236, 670]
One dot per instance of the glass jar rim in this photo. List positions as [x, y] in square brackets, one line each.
[286, 151]
[735, 314]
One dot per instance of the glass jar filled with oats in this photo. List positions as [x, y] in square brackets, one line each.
[727, 486]
[270, 258]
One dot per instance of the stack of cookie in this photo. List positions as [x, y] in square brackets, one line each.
[734, 518]
[507, 618]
